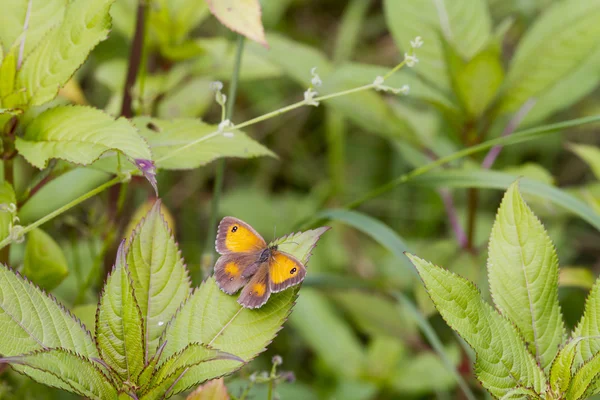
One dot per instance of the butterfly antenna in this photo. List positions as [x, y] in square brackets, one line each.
[274, 232]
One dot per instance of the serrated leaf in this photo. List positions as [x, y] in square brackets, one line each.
[241, 16]
[62, 51]
[589, 327]
[160, 280]
[585, 382]
[560, 41]
[465, 24]
[43, 16]
[523, 275]
[191, 143]
[120, 327]
[503, 362]
[589, 154]
[7, 197]
[300, 244]
[77, 373]
[79, 135]
[32, 320]
[560, 370]
[44, 263]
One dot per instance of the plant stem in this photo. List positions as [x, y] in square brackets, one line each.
[472, 203]
[220, 169]
[135, 57]
[64, 208]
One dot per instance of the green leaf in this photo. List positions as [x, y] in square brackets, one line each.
[194, 359]
[503, 362]
[61, 191]
[76, 373]
[579, 277]
[328, 335]
[589, 154]
[478, 81]
[523, 275]
[62, 51]
[44, 15]
[45, 263]
[120, 327]
[79, 134]
[560, 370]
[191, 143]
[557, 45]
[465, 24]
[589, 327]
[160, 280]
[241, 16]
[7, 197]
[36, 320]
[585, 382]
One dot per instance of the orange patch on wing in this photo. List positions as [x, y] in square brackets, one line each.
[282, 268]
[242, 240]
[259, 288]
[232, 269]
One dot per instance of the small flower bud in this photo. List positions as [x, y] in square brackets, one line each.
[309, 97]
[411, 60]
[216, 86]
[316, 79]
[418, 42]
[277, 360]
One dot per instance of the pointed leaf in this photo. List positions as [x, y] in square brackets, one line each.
[62, 51]
[120, 326]
[465, 24]
[586, 383]
[523, 275]
[241, 16]
[78, 374]
[216, 319]
[589, 327]
[45, 263]
[560, 41]
[503, 363]
[560, 370]
[160, 280]
[32, 320]
[79, 135]
[8, 200]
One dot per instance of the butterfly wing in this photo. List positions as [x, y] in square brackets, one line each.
[257, 291]
[284, 271]
[236, 236]
[234, 270]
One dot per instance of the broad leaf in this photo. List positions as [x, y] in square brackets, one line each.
[160, 280]
[523, 275]
[589, 326]
[503, 362]
[192, 356]
[31, 320]
[589, 154]
[120, 326]
[79, 135]
[560, 41]
[62, 51]
[45, 263]
[8, 200]
[465, 24]
[43, 16]
[76, 373]
[214, 318]
[585, 382]
[241, 16]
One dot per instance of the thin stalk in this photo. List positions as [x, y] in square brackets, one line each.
[220, 170]
[472, 204]
[62, 209]
[135, 57]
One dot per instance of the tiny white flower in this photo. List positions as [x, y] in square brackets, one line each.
[418, 42]
[309, 97]
[405, 89]
[411, 60]
[228, 135]
[225, 125]
[378, 83]
[160, 323]
[316, 79]
[221, 98]
[216, 86]
[16, 234]
[379, 86]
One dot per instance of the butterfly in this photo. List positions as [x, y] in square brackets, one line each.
[247, 261]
